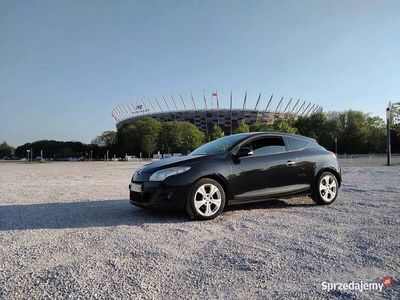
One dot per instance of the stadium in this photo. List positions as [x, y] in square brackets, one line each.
[204, 115]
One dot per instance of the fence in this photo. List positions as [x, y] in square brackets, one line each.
[367, 159]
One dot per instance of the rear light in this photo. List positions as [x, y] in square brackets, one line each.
[331, 153]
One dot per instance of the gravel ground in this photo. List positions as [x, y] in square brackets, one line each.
[67, 231]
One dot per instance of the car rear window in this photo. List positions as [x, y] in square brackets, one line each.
[296, 143]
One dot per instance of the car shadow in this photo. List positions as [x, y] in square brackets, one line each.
[271, 204]
[101, 213]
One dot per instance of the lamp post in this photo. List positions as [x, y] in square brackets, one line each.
[389, 154]
[336, 146]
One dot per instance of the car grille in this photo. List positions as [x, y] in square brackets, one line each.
[139, 197]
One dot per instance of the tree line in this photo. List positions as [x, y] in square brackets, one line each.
[60, 150]
[354, 132]
[148, 136]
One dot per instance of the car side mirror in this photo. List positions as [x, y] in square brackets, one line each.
[244, 151]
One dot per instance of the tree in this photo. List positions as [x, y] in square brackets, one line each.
[192, 137]
[149, 135]
[67, 152]
[243, 127]
[279, 125]
[5, 150]
[148, 130]
[216, 133]
[258, 127]
[376, 135]
[170, 139]
[142, 136]
[284, 126]
[311, 126]
[106, 139]
[355, 133]
[325, 128]
[53, 149]
[127, 137]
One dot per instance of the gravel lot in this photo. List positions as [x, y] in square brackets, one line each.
[68, 231]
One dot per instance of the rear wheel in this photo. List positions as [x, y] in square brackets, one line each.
[326, 190]
[206, 200]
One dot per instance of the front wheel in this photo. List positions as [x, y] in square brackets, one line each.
[206, 200]
[326, 190]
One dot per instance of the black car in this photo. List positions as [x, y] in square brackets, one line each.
[235, 169]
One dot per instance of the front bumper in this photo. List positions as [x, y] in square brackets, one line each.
[159, 195]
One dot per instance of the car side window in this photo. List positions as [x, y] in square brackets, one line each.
[296, 143]
[267, 145]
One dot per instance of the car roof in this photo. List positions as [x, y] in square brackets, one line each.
[266, 133]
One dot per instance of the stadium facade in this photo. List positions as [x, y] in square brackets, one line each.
[204, 117]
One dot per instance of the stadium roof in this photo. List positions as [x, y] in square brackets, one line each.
[159, 105]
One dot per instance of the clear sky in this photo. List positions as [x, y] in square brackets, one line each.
[64, 65]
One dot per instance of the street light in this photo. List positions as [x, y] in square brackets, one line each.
[336, 146]
[27, 153]
[392, 108]
[389, 154]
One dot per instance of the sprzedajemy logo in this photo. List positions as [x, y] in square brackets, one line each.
[358, 286]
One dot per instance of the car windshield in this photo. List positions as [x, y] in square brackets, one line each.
[218, 146]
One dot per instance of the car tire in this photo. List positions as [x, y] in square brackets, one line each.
[206, 200]
[326, 189]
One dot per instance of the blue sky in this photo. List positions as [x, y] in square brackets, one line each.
[64, 65]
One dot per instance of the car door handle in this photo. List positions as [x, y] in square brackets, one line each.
[290, 163]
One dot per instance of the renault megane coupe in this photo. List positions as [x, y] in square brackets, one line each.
[237, 169]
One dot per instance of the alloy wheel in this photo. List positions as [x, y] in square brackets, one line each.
[207, 200]
[328, 188]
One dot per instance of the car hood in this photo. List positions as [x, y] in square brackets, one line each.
[170, 162]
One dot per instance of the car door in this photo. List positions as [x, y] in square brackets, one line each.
[268, 171]
[304, 157]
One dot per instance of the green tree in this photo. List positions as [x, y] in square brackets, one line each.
[355, 131]
[284, 126]
[243, 127]
[325, 128]
[66, 153]
[192, 137]
[311, 126]
[170, 138]
[354, 136]
[142, 136]
[128, 140]
[5, 150]
[148, 131]
[216, 133]
[258, 127]
[106, 139]
[376, 135]
[279, 125]
[53, 149]
[149, 135]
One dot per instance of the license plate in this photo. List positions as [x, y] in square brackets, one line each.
[136, 187]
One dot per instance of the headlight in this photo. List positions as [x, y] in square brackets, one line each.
[162, 174]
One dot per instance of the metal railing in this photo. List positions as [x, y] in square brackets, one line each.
[368, 159]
